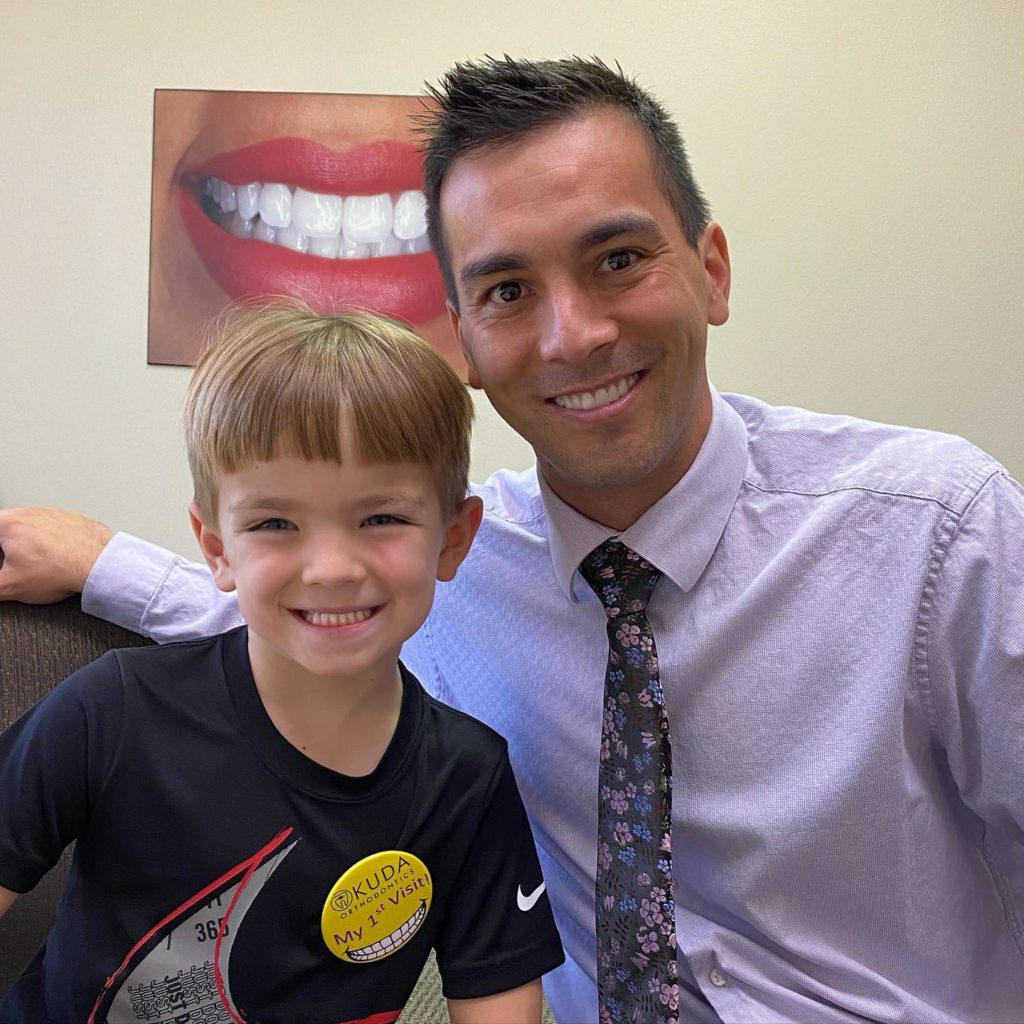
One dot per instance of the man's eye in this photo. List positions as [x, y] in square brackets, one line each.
[620, 260]
[507, 291]
[272, 524]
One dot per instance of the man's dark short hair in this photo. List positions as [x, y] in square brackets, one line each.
[491, 102]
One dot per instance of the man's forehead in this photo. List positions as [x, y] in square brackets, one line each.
[507, 181]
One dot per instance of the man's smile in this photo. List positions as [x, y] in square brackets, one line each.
[598, 397]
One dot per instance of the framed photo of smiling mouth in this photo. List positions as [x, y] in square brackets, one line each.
[317, 196]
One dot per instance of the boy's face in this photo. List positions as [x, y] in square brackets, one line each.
[335, 566]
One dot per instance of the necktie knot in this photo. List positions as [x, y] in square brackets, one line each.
[622, 580]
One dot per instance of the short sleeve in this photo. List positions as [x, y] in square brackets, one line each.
[974, 667]
[53, 761]
[498, 932]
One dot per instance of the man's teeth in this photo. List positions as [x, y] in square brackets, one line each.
[336, 618]
[329, 226]
[602, 396]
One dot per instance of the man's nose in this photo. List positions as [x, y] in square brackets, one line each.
[577, 325]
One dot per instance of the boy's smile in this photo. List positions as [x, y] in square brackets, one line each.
[335, 565]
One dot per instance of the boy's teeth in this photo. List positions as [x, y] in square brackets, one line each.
[325, 225]
[336, 619]
[602, 396]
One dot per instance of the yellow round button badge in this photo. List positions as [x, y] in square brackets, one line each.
[376, 906]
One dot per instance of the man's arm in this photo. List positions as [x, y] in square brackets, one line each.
[972, 669]
[50, 553]
[7, 898]
[516, 1006]
[46, 554]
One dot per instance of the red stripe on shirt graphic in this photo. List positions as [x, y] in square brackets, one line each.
[180, 965]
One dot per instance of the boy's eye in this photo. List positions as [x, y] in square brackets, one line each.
[272, 524]
[382, 519]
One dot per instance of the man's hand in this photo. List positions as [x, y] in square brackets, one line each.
[46, 554]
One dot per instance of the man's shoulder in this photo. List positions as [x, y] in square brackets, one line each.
[458, 738]
[512, 497]
[803, 452]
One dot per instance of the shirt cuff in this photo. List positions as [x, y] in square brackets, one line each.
[124, 580]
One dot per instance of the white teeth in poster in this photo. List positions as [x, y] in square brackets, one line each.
[325, 225]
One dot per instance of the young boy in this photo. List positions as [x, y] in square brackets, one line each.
[277, 824]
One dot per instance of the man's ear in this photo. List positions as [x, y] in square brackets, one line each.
[212, 547]
[458, 538]
[472, 376]
[714, 252]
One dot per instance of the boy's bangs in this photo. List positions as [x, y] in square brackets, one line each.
[284, 383]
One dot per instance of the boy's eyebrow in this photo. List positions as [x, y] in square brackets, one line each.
[389, 500]
[502, 262]
[271, 503]
[258, 501]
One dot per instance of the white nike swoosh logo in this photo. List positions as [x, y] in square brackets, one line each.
[527, 902]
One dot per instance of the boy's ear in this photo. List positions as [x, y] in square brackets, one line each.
[212, 548]
[458, 538]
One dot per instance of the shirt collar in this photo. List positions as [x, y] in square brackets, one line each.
[680, 531]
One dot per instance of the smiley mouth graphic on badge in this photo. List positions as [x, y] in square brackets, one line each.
[386, 946]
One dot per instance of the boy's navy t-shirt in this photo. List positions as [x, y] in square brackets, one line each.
[207, 847]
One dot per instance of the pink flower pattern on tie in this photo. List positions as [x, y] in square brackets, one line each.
[636, 936]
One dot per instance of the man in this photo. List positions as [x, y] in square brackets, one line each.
[836, 612]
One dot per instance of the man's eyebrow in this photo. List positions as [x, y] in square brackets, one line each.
[496, 263]
[503, 262]
[627, 224]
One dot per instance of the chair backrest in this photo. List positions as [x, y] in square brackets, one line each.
[39, 646]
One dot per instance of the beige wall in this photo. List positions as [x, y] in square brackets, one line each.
[866, 159]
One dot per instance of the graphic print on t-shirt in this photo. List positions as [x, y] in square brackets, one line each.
[376, 906]
[179, 970]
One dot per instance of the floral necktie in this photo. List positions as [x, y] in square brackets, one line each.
[637, 973]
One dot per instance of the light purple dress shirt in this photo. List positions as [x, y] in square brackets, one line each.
[840, 628]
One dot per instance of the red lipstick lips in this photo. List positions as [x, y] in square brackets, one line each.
[407, 287]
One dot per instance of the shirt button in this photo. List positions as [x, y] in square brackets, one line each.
[718, 979]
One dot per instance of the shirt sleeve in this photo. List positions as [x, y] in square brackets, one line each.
[150, 590]
[498, 932]
[53, 763]
[973, 661]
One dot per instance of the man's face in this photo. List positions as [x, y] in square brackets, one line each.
[583, 312]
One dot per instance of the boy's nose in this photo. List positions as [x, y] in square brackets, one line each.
[333, 564]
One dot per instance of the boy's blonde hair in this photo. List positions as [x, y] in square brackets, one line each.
[281, 380]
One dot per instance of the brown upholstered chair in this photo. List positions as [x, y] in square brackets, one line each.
[39, 646]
